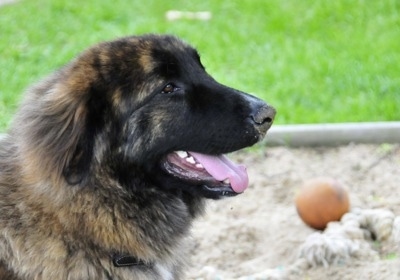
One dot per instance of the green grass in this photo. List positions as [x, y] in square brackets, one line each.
[315, 61]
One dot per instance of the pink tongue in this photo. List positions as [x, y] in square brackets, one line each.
[221, 168]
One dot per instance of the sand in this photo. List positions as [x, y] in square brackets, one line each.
[260, 230]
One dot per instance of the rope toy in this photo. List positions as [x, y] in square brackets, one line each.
[339, 243]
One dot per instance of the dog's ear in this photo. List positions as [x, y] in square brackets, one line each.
[56, 126]
[86, 126]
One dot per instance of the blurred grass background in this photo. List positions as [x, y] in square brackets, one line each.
[316, 61]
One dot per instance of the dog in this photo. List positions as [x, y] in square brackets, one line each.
[109, 159]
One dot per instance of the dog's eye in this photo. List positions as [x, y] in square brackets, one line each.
[169, 88]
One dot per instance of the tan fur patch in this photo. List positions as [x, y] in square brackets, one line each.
[146, 61]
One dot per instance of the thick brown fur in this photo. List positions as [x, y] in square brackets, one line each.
[79, 167]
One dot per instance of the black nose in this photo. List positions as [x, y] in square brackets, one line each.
[263, 114]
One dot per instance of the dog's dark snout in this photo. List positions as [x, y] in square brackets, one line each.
[263, 114]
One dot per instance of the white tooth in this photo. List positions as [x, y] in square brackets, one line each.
[182, 154]
[190, 160]
[199, 165]
[226, 181]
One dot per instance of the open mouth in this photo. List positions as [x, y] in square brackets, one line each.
[216, 174]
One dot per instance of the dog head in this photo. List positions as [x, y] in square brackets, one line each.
[144, 107]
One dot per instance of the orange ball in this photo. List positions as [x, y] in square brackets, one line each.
[320, 201]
